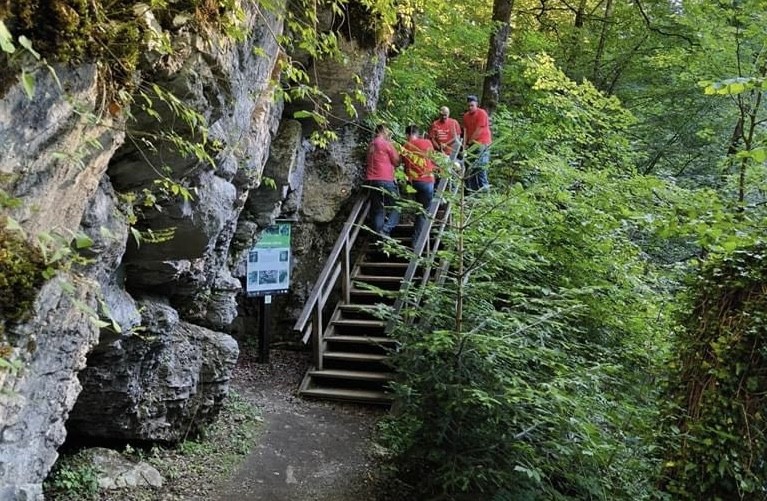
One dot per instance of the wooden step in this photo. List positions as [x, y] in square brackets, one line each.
[372, 298]
[366, 292]
[376, 268]
[357, 311]
[354, 357]
[380, 377]
[353, 395]
[377, 340]
[361, 277]
[357, 326]
[385, 264]
[358, 322]
[356, 308]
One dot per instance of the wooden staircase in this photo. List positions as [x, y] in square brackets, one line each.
[352, 345]
[356, 343]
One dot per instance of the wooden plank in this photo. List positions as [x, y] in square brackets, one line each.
[342, 338]
[384, 264]
[358, 322]
[378, 278]
[346, 283]
[317, 337]
[353, 375]
[368, 396]
[355, 357]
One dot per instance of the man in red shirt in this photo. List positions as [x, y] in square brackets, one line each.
[445, 134]
[478, 138]
[419, 169]
[382, 160]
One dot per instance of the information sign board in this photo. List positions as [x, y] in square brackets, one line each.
[268, 269]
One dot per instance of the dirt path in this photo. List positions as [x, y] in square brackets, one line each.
[308, 450]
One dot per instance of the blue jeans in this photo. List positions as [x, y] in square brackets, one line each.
[424, 192]
[384, 214]
[477, 159]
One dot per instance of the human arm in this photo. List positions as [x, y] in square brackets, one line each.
[394, 157]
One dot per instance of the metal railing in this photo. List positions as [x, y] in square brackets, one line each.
[338, 267]
[425, 252]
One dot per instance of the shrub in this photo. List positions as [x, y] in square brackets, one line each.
[719, 384]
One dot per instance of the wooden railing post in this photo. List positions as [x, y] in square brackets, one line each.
[346, 272]
[317, 337]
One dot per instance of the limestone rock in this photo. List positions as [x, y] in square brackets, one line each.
[161, 371]
[35, 402]
[159, 384]
[53, 155]
[115, 471]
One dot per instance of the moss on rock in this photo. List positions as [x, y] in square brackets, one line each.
[21, 276]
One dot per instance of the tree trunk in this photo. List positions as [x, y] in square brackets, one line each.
[499, 39]
[596, 75]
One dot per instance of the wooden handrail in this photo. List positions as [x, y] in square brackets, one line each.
[337, 266]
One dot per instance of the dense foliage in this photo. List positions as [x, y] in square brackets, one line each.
[546, 388]
[716, 450]
[628, 154]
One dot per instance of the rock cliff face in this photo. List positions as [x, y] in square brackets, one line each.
[131, 343]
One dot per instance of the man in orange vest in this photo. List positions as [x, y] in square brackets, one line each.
[419, 169]
[477, 137]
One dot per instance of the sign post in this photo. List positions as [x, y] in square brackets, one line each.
[268, 273]
[264, 321]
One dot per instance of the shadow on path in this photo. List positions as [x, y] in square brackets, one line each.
[307, 450]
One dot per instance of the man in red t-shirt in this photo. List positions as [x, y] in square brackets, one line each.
[382, 160]
[477, 137]
[445, 134]
[419, 169]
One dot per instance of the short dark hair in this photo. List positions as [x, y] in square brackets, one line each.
[471, 98]
[380, 128]
[412, 130]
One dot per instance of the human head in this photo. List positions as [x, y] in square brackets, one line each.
[471, 102]
[412, 131]
[381, 129]
[444, 112]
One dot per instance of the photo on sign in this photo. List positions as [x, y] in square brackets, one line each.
[283, 256]
[284, 229]
[253, 277]
[253, 257]
[283, 276]
[267, 277]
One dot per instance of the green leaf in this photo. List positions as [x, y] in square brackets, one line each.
[28, 81]
[736, 88]
[136, 235]
[12, 225]
[6, 40]
[27, 44]
[99, 323]
[83, 241]
[759, 154]
[54, 75]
